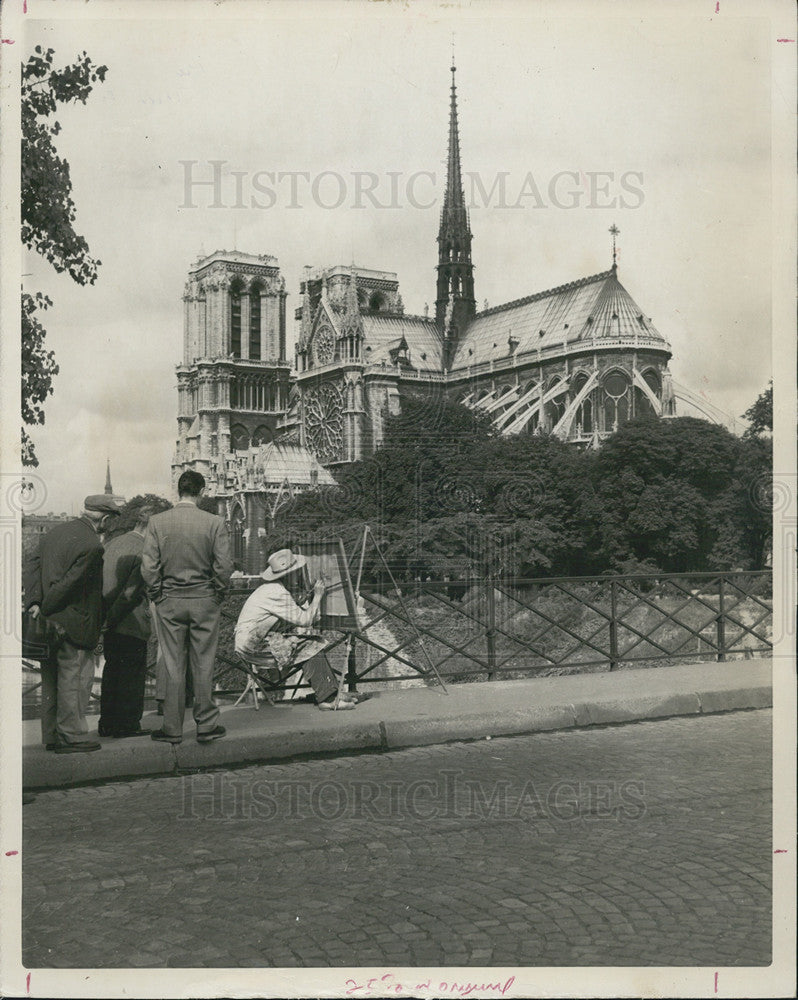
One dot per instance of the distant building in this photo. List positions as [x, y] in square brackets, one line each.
[576, 361]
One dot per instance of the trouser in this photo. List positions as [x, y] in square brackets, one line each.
[67, 678]
[160, 669]
[188, 631]
[307, 650]
[122, 691]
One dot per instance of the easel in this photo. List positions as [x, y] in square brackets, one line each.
[367, 533]
[255, 682]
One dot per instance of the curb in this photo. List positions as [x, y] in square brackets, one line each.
[140, 759]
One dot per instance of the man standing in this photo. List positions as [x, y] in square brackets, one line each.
[186, 568]
[63, 582]
[127, 629]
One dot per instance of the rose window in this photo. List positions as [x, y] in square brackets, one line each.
[324, 422]
[324, 346]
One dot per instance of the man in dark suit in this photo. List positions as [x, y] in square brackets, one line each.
[127, 629]
[186, 568]
[63, 582]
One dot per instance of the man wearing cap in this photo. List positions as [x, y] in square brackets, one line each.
[273, 630]
[186, 567]
[63, 581]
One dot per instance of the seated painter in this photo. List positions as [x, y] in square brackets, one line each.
[274, 628]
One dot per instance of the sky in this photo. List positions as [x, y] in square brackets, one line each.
[675, 109]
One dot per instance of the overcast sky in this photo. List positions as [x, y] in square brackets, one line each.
[677, 110]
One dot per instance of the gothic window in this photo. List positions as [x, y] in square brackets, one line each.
[261, 435]
[377, 302]
[254, 323]
[616, 400]
[239, 437]
[235, 318]
[583, 420]
[642, 402]
[554, 409]
[324, 422]
[324, 345]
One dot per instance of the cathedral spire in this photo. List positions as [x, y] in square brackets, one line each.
[455, 270]
[108, 488]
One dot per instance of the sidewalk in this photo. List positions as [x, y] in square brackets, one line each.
[413, 717]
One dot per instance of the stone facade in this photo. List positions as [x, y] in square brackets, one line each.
[576, 361]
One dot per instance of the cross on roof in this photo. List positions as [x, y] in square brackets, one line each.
[615, 232]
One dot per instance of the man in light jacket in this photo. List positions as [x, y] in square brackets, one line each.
[186, 568]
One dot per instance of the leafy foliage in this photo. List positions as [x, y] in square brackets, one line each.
[679, 494]
[129, 513]
[760, 414]
[660, 495]
[48, 213]
[38, 370]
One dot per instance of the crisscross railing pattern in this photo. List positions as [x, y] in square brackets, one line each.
[478, 629]
[485, 629]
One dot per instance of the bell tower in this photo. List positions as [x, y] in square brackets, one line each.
[455, 305]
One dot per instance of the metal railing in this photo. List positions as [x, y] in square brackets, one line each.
[476, 630]
[491, 629]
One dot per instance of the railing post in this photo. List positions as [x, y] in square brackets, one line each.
[490, 635]
[351, 668]
[721, 621]
[613, 624]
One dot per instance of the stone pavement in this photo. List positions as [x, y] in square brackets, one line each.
[645, 844]
[416, 717]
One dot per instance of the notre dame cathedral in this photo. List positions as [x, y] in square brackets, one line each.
[576, 361]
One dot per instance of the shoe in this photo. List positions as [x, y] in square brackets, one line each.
[127, 733]
[162, 737]
[343, 706]
[84, 746]
[50, 746]
[213, 734]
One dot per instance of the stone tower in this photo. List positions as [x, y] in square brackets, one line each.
[455, 305]
[234, 381]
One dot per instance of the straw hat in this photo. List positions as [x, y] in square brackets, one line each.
[281, 563]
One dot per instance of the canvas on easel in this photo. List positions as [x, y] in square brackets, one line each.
[326, 558]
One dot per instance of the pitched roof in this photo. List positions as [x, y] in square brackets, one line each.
[594, 308]
[383, 331]
[282, 460]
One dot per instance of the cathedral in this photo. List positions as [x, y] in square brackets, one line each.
[576, 361]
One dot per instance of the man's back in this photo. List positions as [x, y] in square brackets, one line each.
[123, 589]
[65, 578]
[186, 554]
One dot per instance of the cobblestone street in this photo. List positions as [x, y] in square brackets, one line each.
[644, 844]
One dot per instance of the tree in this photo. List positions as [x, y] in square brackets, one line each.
[680, 494]
[760, 414]
[129, 513]
[48, 214]
[446, 496]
